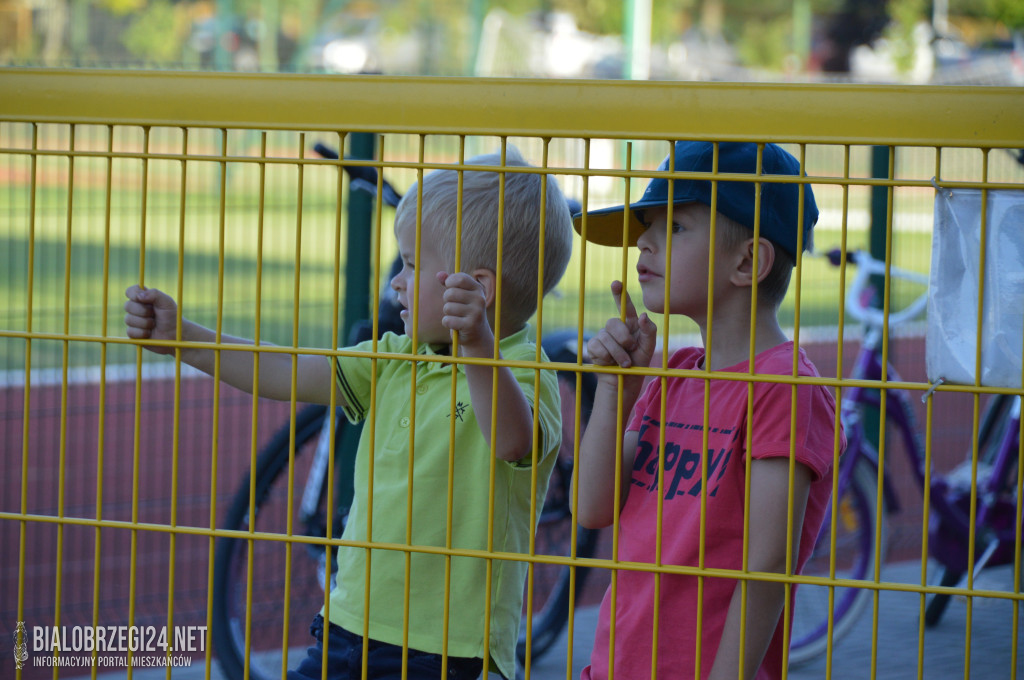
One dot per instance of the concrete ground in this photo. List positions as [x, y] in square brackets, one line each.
[891, 654]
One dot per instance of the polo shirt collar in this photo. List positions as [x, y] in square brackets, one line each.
[524, 334]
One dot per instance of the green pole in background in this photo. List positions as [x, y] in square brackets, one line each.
[802, 32]
[79, 30]
[879, 207]
[271, 24]
[225, 13]
[477, 14]
[358, 274]
[358, 250]
[876, 246]
[636, 35]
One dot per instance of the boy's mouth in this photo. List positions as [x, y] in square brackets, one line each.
[404, 313]
[645, 274]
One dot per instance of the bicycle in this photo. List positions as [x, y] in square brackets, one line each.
[951, 494]
[304, 574]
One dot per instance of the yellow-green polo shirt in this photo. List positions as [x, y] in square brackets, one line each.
[428, 490]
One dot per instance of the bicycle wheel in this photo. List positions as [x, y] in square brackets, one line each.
[937, 604]
[552, 584]
[272, 610]
[997, 416]
[854, 558]
[996, 419]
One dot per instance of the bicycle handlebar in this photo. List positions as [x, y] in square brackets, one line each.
[363, 177]
[856, 303]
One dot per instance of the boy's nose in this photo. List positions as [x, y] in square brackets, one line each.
[645, 242]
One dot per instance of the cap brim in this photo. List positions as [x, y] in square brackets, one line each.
[606, 227]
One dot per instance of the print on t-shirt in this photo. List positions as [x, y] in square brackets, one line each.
[682, 464]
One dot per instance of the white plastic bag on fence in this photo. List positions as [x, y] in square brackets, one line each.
[952, 341]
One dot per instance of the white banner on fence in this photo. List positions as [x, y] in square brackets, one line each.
[956, 273]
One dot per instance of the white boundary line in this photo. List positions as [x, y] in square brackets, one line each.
[90, 375]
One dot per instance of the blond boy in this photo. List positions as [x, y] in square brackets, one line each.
[437, 300]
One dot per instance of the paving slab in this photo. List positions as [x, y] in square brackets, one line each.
[888, 650]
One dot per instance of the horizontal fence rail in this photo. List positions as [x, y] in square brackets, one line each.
[844, 114]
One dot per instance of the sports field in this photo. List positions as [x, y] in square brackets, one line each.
[237, 226]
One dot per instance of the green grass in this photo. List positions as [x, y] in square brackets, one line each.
[69, 290]
[72, 298]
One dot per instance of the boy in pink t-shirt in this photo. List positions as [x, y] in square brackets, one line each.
[751, 428]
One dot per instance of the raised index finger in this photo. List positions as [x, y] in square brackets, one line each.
[620, 295]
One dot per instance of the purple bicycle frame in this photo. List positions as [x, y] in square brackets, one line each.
[949, 532]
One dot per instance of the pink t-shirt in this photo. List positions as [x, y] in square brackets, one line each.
[684, 417]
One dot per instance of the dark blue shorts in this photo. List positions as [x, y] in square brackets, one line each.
[384, 661]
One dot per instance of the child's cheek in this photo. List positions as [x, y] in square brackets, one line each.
[652, 298]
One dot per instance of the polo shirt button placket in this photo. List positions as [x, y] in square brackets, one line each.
[404, 422]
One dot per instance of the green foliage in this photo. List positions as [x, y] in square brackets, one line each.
[121, 7]
[905, 15]
[766, 44]
[760, 29]
[155, 35]
[596, 16]
[1010, 13]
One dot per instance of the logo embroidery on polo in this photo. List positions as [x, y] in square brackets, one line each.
[460, 410]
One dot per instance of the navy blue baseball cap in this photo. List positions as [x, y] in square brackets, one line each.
[780, 202]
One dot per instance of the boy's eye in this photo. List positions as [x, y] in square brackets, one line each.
[676, 227]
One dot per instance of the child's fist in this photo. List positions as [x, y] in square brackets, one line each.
[465, 309]
[151, 315]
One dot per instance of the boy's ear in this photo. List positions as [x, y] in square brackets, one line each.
[489, 280]
[743, 274]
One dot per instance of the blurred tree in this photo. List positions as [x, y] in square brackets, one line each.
[763, 30]
[1008, 13]
[157, 33]
[905, 16]
[121, 6]
[766, 44]
[443, 30]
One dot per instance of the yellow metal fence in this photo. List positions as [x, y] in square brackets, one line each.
[121, 468]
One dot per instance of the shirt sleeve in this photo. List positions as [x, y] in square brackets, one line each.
[354, 374]
[810, 428]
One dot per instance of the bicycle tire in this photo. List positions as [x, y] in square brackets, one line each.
[855, 559]
[994, 421]
[936, 606]
[554, 586]
[231, 563]
[992, 428]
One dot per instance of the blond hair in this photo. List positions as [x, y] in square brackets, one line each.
[521, 227]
